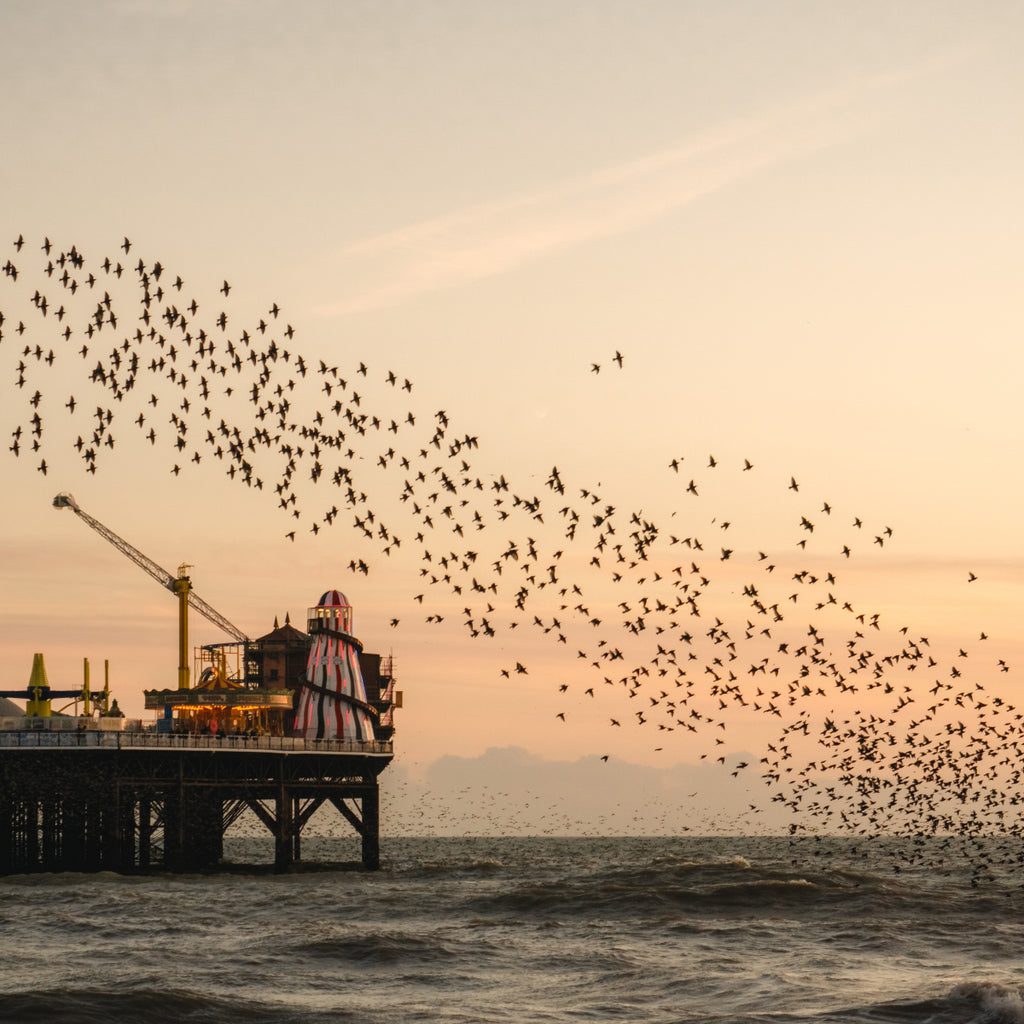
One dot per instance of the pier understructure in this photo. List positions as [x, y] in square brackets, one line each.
[138, 802]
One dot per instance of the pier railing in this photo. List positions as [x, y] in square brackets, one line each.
[228, 742]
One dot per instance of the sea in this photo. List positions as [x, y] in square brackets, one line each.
[713, 930]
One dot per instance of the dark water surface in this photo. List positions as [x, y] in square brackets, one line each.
[458, 930]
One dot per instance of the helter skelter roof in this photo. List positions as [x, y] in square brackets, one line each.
[333, 599]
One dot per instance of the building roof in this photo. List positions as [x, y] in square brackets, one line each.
[286, 635]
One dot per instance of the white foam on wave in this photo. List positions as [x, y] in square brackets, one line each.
[768, 883]
[999, 1005]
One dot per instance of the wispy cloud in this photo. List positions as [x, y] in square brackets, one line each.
[491, 239]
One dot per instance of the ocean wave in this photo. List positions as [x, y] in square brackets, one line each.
[737, 880]
[454, 869]
[967, 1003]
[604, 897]
[69, 879]
[996, 1004]
[374, 948]
[150, 1006]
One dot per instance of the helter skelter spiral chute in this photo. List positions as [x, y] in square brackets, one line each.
[333, 703]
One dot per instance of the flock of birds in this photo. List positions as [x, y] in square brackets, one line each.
[679, 633]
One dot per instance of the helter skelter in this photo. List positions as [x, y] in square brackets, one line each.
[332, 704]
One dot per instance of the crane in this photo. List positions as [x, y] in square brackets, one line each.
[179, 585]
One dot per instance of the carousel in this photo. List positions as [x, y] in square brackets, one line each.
[219, 705]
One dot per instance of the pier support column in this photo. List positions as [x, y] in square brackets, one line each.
[145, 831]
[283, 832]
[110, 838]
[371, 825]
[126, 830]
[73, 852]
[174, 830]
[204, 823]
[50, 832]
[6, 837]
[32, 834]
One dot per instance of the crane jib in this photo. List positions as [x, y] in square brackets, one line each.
[161, 575]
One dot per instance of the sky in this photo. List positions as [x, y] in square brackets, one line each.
[797, 224]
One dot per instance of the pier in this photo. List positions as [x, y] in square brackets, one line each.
[280, 726]
[144, 801]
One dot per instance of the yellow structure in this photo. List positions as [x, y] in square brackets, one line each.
[38, 704]
[101, 700]
[182, 585]
[39, 696]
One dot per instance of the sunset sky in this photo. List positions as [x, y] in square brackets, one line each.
[799, 224]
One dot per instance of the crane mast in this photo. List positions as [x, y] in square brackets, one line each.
[179, 585]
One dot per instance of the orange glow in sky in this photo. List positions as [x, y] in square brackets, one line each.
[796, 225]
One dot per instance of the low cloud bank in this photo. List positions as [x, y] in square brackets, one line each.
[509, 791]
